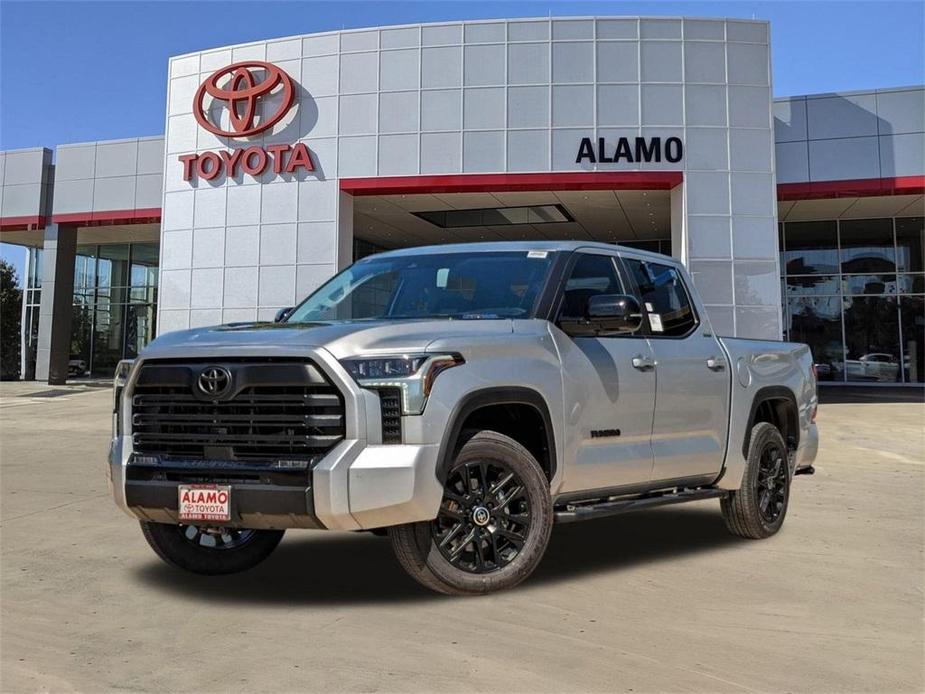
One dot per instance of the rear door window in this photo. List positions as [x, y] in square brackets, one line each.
[664, 297]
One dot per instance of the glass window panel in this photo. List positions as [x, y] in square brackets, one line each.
[143, 295]
[113, 295]
[592, 275]
[34, 278]
[663, 293]
[910, 244]
[85, 268]
[107, 339]
[807, 285]
[31, 339]
[912, 284]
[812, 248]
[867, 246]
[83, 297]
[113, 269]
[81, 340]
[872, 339]
[912, 318]
[816, 321]
[139, 328]
[869, 284]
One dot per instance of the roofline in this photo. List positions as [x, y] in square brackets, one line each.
[853, 92]
[498, 20]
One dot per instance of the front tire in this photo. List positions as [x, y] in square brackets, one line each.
[757, 509]
[493, 524]
[210, 551]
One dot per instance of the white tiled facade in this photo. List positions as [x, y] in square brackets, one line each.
[112, 175]
[477, 97]
[25, 179]
[859, 135]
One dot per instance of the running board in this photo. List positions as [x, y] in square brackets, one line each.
[572, 513]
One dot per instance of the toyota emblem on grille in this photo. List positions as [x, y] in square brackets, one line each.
[214, 381]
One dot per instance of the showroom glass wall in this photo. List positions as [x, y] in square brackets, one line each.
[32, 299]
[115, 306]
[854, 290]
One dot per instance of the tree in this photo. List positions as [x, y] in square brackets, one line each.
[10, 317]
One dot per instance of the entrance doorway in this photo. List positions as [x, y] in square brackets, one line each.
[638, 218]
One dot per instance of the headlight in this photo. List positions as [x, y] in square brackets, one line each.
[413, 374]
[119, 379]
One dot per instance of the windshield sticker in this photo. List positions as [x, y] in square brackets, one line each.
[443, 274]
[537, 254]
[655, 322]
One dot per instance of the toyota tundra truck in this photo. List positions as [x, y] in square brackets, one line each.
[461, 399]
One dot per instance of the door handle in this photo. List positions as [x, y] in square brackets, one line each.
[643, 363]
[716, 364]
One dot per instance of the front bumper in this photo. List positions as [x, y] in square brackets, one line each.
[353, 488]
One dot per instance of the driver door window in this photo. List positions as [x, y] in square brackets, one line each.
[591, 275]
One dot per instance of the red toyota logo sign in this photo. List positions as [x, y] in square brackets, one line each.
[241, 86]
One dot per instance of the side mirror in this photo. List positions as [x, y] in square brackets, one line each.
[283, 314]
[613, 313]
[604, 314]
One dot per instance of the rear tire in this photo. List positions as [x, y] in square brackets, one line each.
[210, 551]
[493, 524]
[757, 509]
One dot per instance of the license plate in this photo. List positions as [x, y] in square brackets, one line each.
[204, 502]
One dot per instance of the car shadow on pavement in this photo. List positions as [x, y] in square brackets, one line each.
[359, 568]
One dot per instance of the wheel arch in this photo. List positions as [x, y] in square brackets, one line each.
[776, 405]
[512, 400]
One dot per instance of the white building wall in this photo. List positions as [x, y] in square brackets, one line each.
[854, 135]
[476, 97]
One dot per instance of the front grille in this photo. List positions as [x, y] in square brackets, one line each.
[273, 410]
[390, 408]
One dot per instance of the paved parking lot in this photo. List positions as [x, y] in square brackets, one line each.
[663, 600]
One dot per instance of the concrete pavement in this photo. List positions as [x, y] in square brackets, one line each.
[664, 600]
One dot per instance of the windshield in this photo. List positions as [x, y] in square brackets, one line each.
[446, 285]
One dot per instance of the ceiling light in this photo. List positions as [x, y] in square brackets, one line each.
[496, 216]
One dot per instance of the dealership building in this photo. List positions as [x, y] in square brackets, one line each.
[285, 160]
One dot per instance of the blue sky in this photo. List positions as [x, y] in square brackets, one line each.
[79, 71]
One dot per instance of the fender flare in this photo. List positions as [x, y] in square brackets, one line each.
[499, 395]
[766, 394]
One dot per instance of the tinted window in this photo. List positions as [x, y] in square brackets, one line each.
[872, 339]
[867, 246]
[812, 248]
[666, 302]
[591, 275]
[910, 244]
[446, 285]
[817, 322]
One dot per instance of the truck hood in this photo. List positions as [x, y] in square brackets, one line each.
[342, 339]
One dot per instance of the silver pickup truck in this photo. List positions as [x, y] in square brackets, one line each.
[461, 399]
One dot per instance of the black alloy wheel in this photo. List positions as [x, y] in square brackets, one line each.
[484, 519]
[771, 482]
[492, 525]
[757, 509]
